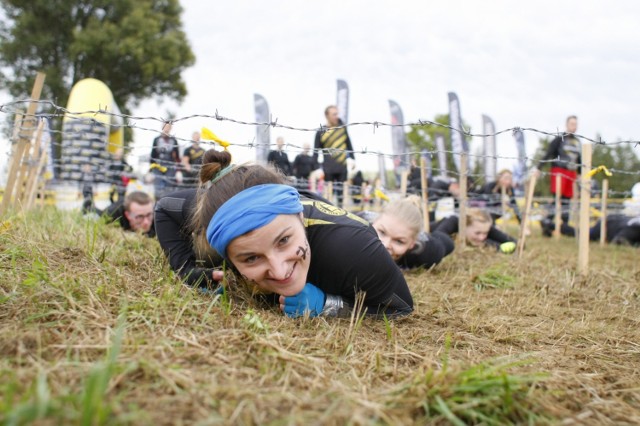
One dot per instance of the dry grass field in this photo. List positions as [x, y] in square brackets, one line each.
[94, 329]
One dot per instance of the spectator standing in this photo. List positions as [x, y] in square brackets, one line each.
[192, 160]
[565, 153]
[164, 159]
[279, 159]
[336, 145]
[304, 163]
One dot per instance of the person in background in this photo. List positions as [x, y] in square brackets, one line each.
[336, 146]
[279, 159]
[164, 160]
[133, 213]
[304, 163]
[438, 187]
[491, 192]
[308, 256]
[621, 230]
[479, 231]
[192, 160]
[565, 155]
[119, 172]
[400, 228]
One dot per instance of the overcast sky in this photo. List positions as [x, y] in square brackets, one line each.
[523, 64]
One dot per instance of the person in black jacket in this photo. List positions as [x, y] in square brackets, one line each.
[479, 230]
[134, 213]
[312, 256]
[400, 228]
[164, 160]
[279, 159]
[491, 192]
[304, 163]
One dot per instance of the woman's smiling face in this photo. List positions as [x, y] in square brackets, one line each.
[276, 257]
[396, 236]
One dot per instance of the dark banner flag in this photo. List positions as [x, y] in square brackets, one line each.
[401, 160]
[489, 149]
[263, 134]
[520, 168]
[342, 101]
[441, 149]
[458, 141]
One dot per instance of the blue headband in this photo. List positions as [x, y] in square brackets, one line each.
[250, 209]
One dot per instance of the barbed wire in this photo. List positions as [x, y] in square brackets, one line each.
[59, 112]
[62, 111]
[366, 151]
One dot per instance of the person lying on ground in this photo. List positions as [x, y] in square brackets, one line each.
[491, 192]
[479, 230]
[312, 257]
[400, 228]
[621, 229]
[134, 213]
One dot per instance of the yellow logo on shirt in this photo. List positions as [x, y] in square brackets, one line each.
[328, 209]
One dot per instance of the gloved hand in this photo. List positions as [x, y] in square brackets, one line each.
[311, 299]
[508, 247]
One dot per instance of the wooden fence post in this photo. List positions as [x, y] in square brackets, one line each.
[527, 211]
[603, 211]
[557, 217]
[24, 139]
[425, 195]
[462, 211]
[585, 205]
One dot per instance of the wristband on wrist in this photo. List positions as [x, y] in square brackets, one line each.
[333, 306]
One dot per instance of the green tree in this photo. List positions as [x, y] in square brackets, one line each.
[136, 47]
[620, 158]
[423, 136]
[624, 163]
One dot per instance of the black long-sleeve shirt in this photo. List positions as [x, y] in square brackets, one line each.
[565, 151]
[429, 250]
[347, 256]
[280, 160]
[337, 145]
[621, 229]
[303, 165]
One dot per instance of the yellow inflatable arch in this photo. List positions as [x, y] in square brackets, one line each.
[92, 129]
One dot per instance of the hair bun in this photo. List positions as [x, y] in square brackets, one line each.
[212, 163]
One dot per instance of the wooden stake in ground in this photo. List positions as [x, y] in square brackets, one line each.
[36, 183]
[527, 211]
[346, 197]
[328, 189]
[23, 142]
[404, 177]
[585, 205]
[557, 217]
[377, 202]
[462, 211]
[575, 207]
[30, 163]
[425, 194]
[603, 211]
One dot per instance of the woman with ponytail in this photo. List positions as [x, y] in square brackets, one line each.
[312, 256]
